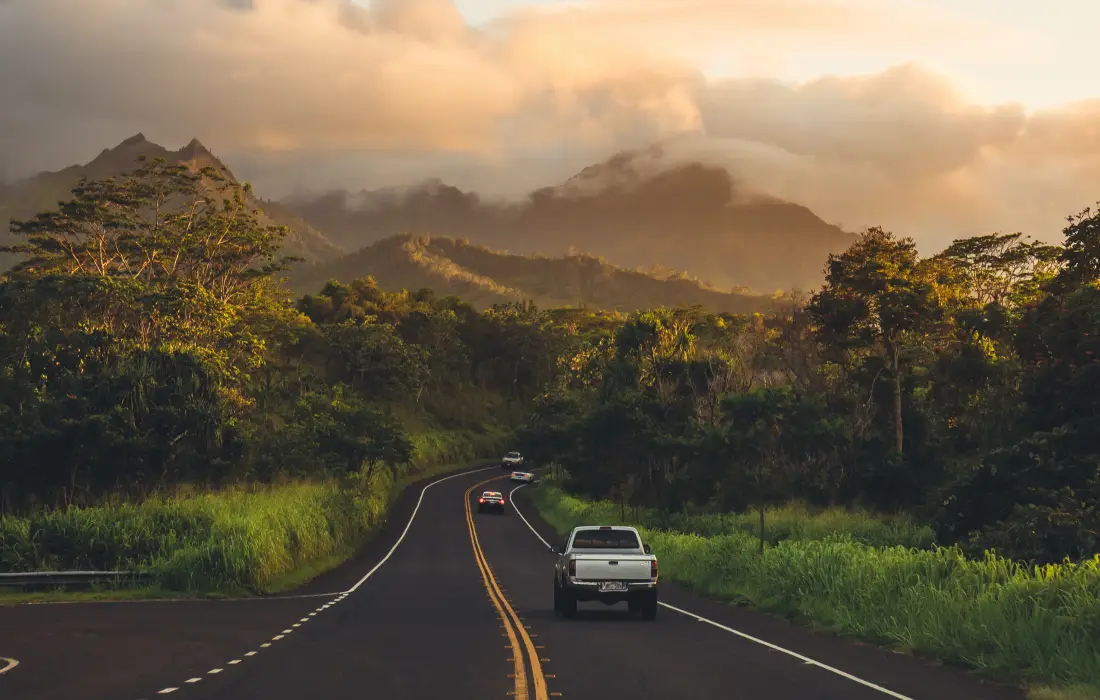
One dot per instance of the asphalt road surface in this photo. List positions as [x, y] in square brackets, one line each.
[446, 603]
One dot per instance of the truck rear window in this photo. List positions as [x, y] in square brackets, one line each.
[606, 539]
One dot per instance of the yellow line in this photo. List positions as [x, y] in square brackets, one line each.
[520, 673]
[532, 655]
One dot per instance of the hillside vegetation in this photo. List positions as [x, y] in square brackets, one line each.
[485, 277]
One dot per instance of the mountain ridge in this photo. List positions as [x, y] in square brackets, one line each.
[638, 208]
[484, 277]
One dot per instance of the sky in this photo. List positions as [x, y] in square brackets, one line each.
[934, 118]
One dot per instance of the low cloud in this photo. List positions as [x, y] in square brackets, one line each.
[317, 94]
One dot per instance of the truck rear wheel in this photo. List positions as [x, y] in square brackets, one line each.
[568, 604]
[649, 606]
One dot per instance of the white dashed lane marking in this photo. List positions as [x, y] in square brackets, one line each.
[346, 593]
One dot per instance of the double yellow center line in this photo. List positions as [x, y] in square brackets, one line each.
[512, 625]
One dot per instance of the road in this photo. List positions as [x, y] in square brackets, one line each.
[448, 604]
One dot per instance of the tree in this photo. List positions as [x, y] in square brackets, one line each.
[875, 301]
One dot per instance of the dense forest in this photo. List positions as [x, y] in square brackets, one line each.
[962, 389]
[147, 341]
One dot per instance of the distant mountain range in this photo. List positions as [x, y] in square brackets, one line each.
[637, 209]
[571, 244]
[485, 277]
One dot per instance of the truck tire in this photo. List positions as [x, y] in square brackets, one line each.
[568, 604]
[649, 606]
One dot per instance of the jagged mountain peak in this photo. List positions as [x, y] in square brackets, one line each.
[137, 139]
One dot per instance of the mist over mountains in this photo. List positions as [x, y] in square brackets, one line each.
[637, 209]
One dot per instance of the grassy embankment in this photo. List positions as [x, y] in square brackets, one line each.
[882, 580]
[238, 540]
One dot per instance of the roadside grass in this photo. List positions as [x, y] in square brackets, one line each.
[1038, 626]
[239, 540]
[792, 521]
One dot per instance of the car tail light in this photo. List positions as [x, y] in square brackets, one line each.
[573, 567]
[653, 569]
[502, 501]
[481, 500]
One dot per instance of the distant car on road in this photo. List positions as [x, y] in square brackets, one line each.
[609, 564]
[525, 477]
[491, 502]
[511, 460]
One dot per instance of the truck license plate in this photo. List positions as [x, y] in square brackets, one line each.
[612, 586]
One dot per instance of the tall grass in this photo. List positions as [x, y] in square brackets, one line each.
[239, 538]
[792, 521]
[230, 540]
[1036, 625]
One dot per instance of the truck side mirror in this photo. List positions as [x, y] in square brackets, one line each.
[647, 549]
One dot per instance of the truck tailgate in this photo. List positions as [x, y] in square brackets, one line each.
[612, 567]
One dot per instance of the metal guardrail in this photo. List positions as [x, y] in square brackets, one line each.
[62, 578]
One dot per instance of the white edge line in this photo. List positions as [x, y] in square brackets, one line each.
[412, 517]
[12, 663]
[720, 626]
[340, 594]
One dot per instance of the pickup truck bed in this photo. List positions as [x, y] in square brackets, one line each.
[610, 565]
[605, 564]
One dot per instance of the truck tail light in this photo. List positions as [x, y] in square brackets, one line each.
[573, 567]
[481, 500]
[653, 569]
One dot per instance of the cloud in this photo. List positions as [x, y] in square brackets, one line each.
[326, 93]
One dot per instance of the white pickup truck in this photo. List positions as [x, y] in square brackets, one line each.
[609, 564]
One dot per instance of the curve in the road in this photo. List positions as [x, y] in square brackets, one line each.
[339, 596]
[512, 624]
[743, 635]
[9, 664]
